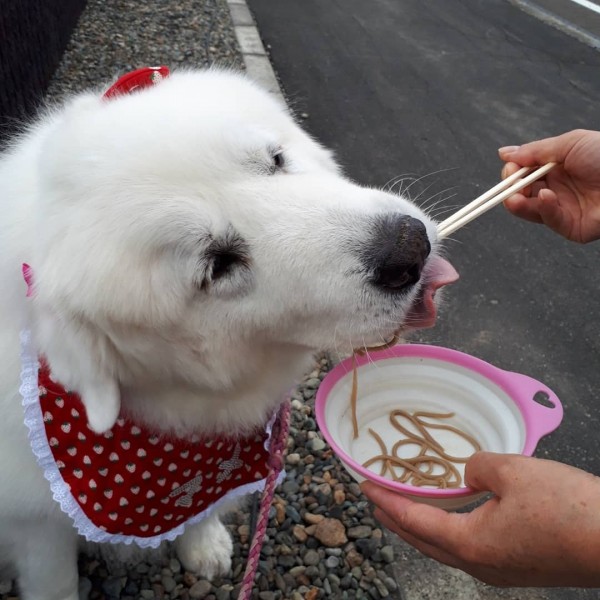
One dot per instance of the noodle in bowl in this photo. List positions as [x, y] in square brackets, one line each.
[497, 408]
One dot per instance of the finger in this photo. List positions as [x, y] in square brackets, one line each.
[553, 149]
[537, 187]
[523, 207]
[427, 549]
[431, 525]
[509, 169]
[551, 212]
[492, 472]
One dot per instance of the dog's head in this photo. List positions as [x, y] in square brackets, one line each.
[192, 232]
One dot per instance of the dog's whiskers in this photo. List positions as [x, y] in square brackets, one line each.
[417, 180]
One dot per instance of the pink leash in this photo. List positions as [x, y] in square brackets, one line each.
[275, 462]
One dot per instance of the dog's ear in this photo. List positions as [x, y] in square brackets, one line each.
[80, 358]
[102, 402]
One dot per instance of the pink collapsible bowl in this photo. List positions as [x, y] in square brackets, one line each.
[500, 409]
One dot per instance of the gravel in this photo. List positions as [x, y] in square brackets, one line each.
[322, 541]
[121, 35]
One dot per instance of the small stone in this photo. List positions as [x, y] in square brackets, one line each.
[354, 489]
[159, 591]
[346, 581]
[331, 533]
[279, 513]
[390, 584]
[287, 561]
[354, 558]
[174, 565]
[339, 496]
[113, 586]
[383, 591]
[293, 514]
[280, 582]
[290, 487]
[244, 533]
[313, 519]
[359, 532]
[189, 579]
[131, 589]
[263, 584]
[224, 592]
[266, 596]
[367, 547]
[168, 583]
[313, 382]
[312, 594]
[332, 562]
[200, 589]
[299, 533]
[311, 558]
[293, 459]
[298, 570]
[149, 594]
[316, 445]
[387, 554]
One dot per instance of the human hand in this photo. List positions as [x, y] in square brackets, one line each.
[542, 527]
[567, 199]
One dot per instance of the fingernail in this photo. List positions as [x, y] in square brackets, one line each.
[508, 149]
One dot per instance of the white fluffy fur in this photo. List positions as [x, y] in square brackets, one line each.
[117, 206]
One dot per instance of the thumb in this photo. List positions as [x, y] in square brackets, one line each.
[554, 149]
[491, 472]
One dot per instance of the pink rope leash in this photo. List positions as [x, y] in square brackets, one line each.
[275, 461]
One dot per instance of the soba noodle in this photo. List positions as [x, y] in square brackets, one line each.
[420, 469]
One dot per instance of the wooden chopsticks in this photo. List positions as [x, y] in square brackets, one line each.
[491, 198]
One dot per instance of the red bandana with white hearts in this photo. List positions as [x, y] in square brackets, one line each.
[135, 483]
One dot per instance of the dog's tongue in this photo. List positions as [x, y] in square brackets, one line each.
[437, 273]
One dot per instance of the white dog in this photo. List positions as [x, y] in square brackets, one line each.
[190, 248]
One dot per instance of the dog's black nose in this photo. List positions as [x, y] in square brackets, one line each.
[397, 253]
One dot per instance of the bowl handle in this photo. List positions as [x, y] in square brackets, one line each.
[540, 420]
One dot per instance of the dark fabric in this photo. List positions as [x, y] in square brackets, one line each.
[33, 36]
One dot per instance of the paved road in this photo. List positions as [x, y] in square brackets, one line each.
[431, 88]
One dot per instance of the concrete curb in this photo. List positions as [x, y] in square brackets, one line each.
[558, 22]
[256, 59]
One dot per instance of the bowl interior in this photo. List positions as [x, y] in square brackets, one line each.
[481, 408]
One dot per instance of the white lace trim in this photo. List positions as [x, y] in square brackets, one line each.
[60, 490]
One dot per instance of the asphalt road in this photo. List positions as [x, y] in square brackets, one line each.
[430, 89]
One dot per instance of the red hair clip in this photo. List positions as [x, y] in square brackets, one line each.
[138, 79]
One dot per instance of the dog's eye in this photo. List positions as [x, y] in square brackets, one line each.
[278, 160]
[222, 263]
